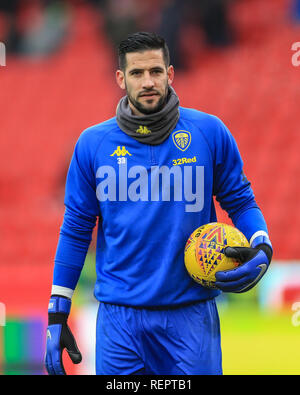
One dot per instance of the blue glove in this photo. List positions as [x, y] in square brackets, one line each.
[254, 260]
[59, 336]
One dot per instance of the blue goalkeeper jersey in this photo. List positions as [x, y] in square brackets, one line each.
[149, 199]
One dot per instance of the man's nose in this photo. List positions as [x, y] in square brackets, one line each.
[148, 81]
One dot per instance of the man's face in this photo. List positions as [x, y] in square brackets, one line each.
[146, 80]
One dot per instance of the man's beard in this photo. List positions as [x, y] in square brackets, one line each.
[147, 111]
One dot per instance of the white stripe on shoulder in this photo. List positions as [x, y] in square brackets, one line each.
[257, 234]
[62, 291]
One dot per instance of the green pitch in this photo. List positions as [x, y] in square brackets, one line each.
[259, 342]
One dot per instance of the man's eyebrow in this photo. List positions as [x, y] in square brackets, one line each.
[139, 70]
[157, 68]
[135, 70]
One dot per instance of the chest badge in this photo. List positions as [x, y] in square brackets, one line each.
[182, 139]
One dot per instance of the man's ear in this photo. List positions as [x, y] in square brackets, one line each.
[120, 77]
[171, 74]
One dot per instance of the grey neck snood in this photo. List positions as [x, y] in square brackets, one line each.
[150, 129]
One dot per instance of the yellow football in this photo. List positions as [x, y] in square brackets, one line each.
[204, 251]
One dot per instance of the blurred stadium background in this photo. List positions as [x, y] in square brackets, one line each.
[233, 59]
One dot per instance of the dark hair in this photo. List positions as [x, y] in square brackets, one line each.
[139, 42]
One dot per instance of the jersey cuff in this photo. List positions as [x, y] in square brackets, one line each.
[260, 237]
[62, 291]
[257, 234]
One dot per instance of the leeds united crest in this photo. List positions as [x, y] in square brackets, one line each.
[182, 139]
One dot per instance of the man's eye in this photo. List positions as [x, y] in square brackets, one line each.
[156, 72]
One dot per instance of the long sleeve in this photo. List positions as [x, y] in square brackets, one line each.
[232, 189]
[81, 211]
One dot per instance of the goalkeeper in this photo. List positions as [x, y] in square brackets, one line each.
[150, 175]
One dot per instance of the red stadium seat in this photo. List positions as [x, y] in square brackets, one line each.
[252, 86]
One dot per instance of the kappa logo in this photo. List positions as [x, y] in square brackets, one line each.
[120, 152]
[143, 130]
[182, 139]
